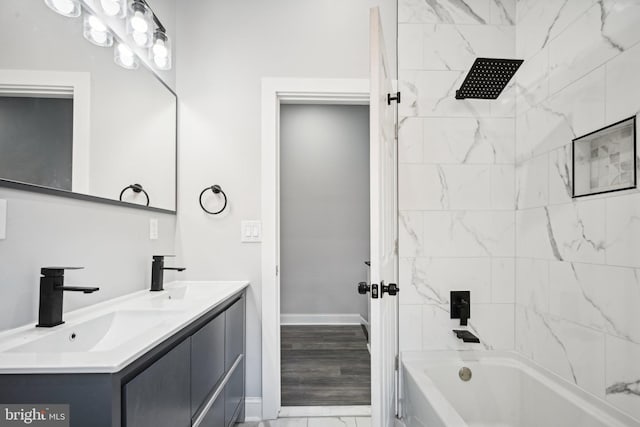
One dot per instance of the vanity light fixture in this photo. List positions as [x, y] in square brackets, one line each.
[160, 51]
[140, 23]
[96, 31]
[69, 8]
[124, 57]
[115, 8]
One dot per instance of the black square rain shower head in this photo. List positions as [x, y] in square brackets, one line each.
[488, 78]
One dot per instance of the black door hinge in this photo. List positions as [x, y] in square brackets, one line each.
[393, 98]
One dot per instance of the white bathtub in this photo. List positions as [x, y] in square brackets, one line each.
[505, 390]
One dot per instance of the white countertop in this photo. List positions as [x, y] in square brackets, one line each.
[106, 337]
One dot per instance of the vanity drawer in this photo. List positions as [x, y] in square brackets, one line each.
[207, 360]
[159, 396]
[215, 415]
[234, 393]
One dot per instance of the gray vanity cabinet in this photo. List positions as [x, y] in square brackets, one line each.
[159, 396]
[207, 361]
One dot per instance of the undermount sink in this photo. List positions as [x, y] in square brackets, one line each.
[102, 333]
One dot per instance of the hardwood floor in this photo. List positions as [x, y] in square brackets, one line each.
[325, 366]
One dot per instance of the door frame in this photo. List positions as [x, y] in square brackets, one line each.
[277, 91]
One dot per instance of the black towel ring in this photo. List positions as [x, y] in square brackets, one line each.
[216, 189]
[137, 188]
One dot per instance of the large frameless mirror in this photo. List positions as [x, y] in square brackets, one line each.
[73, 122]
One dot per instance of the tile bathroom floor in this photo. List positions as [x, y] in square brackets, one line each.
[312, 422]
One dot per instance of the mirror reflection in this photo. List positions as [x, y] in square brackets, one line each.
[71, 119]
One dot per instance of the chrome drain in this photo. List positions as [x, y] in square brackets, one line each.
[464, 373]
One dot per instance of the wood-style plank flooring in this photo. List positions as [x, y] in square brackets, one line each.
[325, 366]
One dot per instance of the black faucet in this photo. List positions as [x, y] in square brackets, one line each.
[460, 307]
[157, 272]
[51, 292]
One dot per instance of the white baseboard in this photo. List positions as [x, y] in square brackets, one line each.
[252, 409]
[320, 319]
[364, 322]
[324, 411]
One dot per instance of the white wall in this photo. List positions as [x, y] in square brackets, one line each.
[111, 242]
[578, 260]
[224, 49]
[324, 208]
[456, 185]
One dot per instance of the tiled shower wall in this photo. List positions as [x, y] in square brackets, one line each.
[457, 192]
[578, 261]
[485, 190]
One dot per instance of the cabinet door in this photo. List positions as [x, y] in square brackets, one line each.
[207, 360]
[159, 396]
[234, 335]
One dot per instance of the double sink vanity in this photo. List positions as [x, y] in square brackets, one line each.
[174, 358]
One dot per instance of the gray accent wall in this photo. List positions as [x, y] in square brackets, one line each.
[324, 208]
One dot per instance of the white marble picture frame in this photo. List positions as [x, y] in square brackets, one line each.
[605, 160]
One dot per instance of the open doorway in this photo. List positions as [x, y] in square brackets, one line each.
[324, 240]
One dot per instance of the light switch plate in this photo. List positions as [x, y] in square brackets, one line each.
[251, 231]
[3, 219]
[153, 229]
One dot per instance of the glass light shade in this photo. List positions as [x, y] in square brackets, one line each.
[140, 23]
[124, 57]
[160, 51]
[96, 32]
[116, 8]
[70, 8]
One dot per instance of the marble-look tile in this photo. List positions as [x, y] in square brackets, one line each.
[462, 187]
[623, 230]
[532, 82]
[560, 166]
[599, 296]
[579, 230]
[532, 182]
[410, 317]
[503, 12]
[469, 140]
[456, 47]
[572, 351]
[623, 85]
[494, 325]
[432, 94]
[532, 284]
[623, 375]
[421, 187]
[503, 280]
[410, 233]
[280, 422]
[469, 234]
[445, 11]
[503, 187]
[430, 280]
[576, 110]
[410, 140]
[410, 46]
[535, 235]
[332, 422]
[604, 31]
[505, 105]
[539, 22]
[363, 421]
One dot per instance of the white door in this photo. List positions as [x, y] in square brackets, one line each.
[384, 231]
